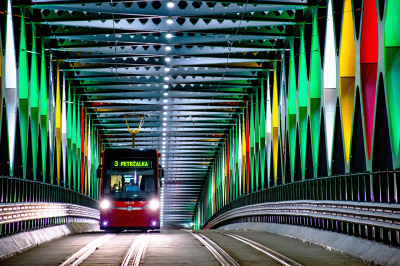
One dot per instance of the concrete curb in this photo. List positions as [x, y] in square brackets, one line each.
[366, 250]
[18, 243]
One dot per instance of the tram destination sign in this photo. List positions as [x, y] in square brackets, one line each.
[126, 163]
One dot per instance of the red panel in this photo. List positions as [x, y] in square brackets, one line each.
[368, 79]
[247, 150]
[227, 171]
[82, 151]
[369, 33]
[369, 66]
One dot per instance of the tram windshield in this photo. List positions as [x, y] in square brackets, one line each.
[131, 185]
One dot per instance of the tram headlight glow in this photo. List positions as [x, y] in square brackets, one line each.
[105, 204]
[152, 205]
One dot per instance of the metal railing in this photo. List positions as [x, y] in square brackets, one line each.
[29, 205]
[378, 190]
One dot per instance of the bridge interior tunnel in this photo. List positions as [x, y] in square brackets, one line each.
[263, 112]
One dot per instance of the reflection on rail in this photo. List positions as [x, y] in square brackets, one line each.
[282, 259]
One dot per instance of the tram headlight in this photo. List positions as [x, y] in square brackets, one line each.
[105, 204]
[152, 205]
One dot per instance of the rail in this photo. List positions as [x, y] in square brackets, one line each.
[375, 221]
[347, 194]
[28, 205]
[20, 212]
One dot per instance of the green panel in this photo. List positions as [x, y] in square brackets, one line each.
[303, 100]
[303, 136]
[252, 141]
[302, 73]
[315, 89]
[257, 140]
[392, 69]
[262, 134]
[292, 100]
[43, 107]
[34, 101]
[292, 107]
[23, 92]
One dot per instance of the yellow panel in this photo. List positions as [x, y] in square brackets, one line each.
[58, 124]
[275, 124]
[347, 73]
[347, 48]
[275, 118]
[347, 97]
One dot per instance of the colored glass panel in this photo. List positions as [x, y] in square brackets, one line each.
[369, 66]
[347, 74]
[392, 69]
[315, 89]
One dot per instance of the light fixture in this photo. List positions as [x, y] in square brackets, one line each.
[165, 113]
[167, 59]
[164, 118]
[166, 78]
[164, 142]
[165, 93]
[164, 134]
[165, 107]
[164, 124]
[163, 147]
[166, 69]
[164, 129]
[170, 21]
[165, 86]
[165, 100]
[170, 4]
[168, 48]
[169, 35]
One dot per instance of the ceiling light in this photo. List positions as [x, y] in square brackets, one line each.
[165, 113]
[164, 124]
[165, 107]
[164, 129]
[163, 142]
[164, 134]
[167, 59]
[166, 78]
[170, 21]
[169, 35]
[165, 86]
[166, 69]
[170, 4]
[164, 118]
[163, 147]
[165, 101]
[168, 48]
[164, 138]
[165, 93]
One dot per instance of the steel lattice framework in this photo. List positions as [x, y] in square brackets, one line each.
[188, 68]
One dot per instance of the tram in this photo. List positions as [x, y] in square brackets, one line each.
[129, 198]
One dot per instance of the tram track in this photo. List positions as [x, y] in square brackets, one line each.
[136, 250]
[79, 256]
[223, 258]
[278, 257]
